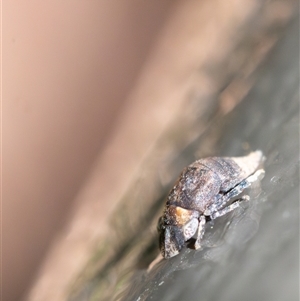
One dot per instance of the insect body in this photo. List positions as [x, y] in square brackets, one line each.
[204, 191]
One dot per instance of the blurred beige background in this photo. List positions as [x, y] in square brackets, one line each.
[67, 69]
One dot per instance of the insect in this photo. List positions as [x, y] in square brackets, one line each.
[204, 191]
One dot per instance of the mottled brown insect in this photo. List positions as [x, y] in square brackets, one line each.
[204, 190]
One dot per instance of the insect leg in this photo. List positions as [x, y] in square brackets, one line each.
[200, 232]
[229, 208]
[221, 202]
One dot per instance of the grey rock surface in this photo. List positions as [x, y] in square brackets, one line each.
[251, 253]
